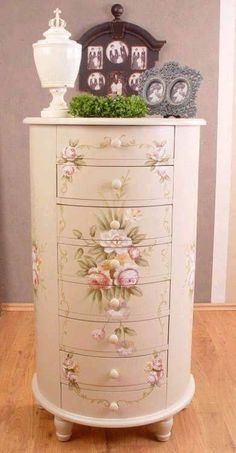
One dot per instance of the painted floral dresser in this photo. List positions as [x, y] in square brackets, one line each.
[114, 208]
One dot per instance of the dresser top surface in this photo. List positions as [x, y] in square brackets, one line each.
[150, 121]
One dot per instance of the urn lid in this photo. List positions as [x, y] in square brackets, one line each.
[56, 34]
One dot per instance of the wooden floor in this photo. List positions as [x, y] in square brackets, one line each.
[208, 425]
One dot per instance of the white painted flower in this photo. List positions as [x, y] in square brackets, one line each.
[69, 153]
[160, 152]
[116, 142]
[133, 215]
[115, 241]
[68, 169]
[125, 348]
[120, 313]
[163, 175]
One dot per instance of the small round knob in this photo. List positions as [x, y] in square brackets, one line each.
[116, 184]
[114, 374]
[114, 406]
[114, 303]
[113, 339]
[117, 10]
[115, 225]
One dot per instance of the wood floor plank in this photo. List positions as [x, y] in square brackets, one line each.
[206, 426]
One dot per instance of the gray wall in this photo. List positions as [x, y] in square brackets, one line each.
[191, 28]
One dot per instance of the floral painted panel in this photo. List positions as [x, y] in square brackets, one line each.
[154, 373]
[36, 266]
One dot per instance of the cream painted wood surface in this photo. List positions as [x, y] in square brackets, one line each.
[207, 425]
[113, 235]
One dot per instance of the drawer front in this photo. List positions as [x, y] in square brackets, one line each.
[113, 404]
[89, 223]
[149, 301]
[118, 145]
[130, 185]
[113, 338]
[113, 371]
[102, 267]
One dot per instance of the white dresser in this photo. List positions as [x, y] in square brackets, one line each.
[114, 209]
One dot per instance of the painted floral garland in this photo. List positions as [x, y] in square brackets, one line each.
[154, 371]
[36, 265]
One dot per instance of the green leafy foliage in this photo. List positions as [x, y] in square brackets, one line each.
[86, 105]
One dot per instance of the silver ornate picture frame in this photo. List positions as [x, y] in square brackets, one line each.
[174, 90]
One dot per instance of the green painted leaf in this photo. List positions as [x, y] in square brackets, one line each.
[79, 253]
[129, 331]
[135, 291]
[92, 230]
[78, 234]
[142, 262]
[118, 332]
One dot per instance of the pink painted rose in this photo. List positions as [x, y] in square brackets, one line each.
[126, 275]
[157, 364]
[69, 153]
[134, 252]
[99, 278]
[72, 378]
[98, 334]
[115, 241]
[68, 169]
[152, 378]
[125, 348]
[68, 363]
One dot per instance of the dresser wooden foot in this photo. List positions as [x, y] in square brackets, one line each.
[162, 429]
[63, 429]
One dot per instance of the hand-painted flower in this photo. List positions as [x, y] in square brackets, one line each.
[163, 175]
[125, 348]
[99, 278]
[126, 275]
[157, 364]
[35, 279]
[133, 215]
[152, 378]
[68, 169]
[160, 152]
[115, 241]
[69, 153]
[120, 313]
[134, 252]
[98, 334]
[72, 378]
[191, 280]
[68, 364]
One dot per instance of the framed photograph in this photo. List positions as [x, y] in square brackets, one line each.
[171, 90]
[117, 52]
[138, 57]
[179, 91]
[134, 81]
[116, 84]
[95, 57]
[96, 81]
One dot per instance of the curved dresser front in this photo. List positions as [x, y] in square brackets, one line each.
[114, 206]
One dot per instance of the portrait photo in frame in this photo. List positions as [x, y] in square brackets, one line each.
[179, 97]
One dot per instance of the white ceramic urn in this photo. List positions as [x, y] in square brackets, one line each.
[57, 59]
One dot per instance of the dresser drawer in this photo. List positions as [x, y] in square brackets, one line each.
[102, 267]
[115, 404]
[120, 145]
[113, 371]
[113, 338]
[130, 185]
[149, 301]
[87, 225]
